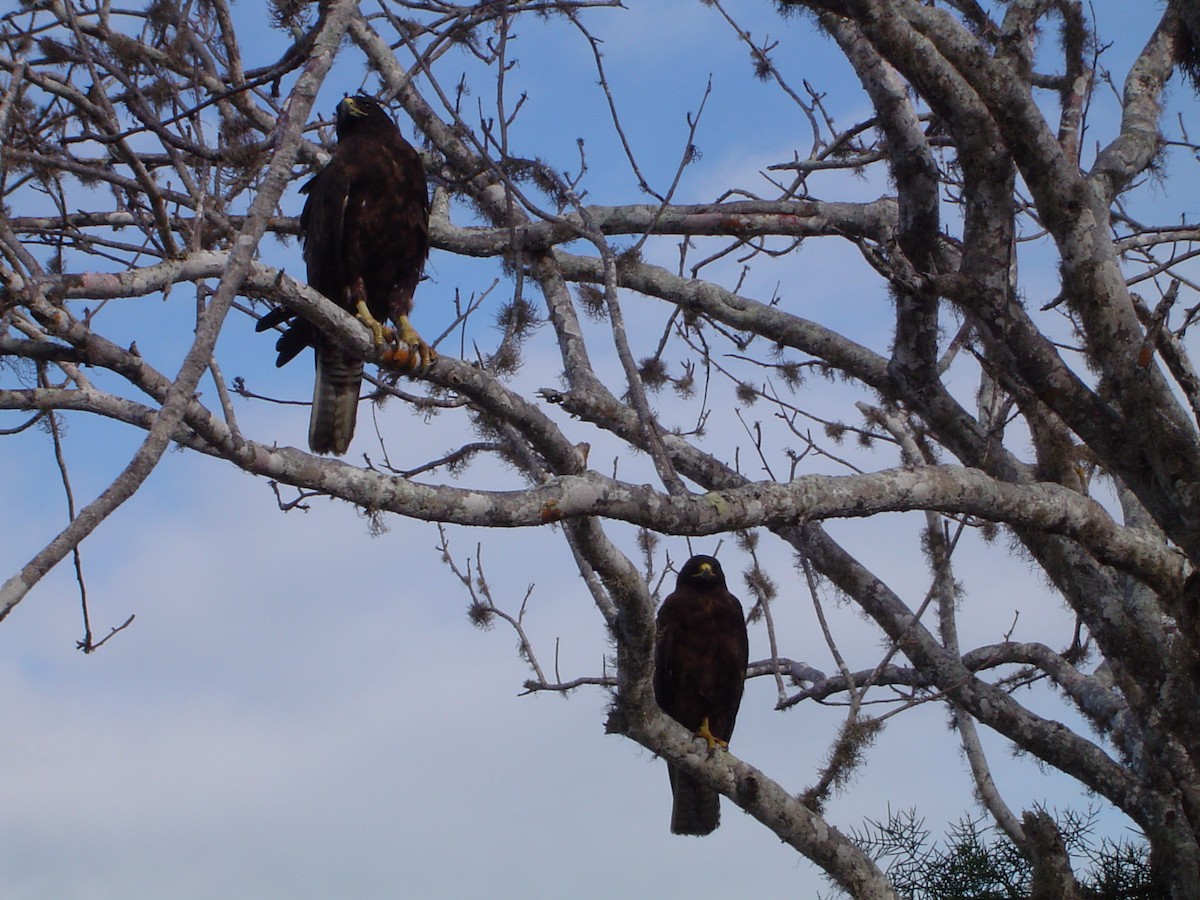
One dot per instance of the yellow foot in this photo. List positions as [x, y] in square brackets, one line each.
[412, 354]
[378, 330]
[709, 738]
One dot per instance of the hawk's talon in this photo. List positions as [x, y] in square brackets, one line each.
[410, 345]
[405, 349]
[379, 331]
[709, 738]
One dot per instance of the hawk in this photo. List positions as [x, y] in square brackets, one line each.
[365, 227]
[700, 656]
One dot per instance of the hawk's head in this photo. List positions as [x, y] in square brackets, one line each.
[702, 571]
[360, 113]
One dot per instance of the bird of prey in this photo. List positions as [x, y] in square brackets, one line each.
[700, 656]
[365, 227]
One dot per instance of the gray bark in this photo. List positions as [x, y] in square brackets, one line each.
[973, 162]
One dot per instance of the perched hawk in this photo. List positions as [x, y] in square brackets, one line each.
[365, 227]
[700, 657]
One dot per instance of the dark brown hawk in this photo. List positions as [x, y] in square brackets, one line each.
[365, 227]
[700, 656]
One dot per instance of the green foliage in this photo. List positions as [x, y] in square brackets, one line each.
[286, 15]
[977, 862]
[653, 372]
[591, 299]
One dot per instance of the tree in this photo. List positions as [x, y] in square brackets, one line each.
[973, 864]
[145, 161]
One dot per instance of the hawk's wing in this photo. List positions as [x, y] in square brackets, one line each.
[322, 224]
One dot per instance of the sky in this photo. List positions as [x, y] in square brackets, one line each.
[301, 707]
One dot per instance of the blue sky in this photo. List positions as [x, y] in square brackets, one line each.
[302, 709]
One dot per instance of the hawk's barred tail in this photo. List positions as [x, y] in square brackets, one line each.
[335, 401]
[696, 809]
